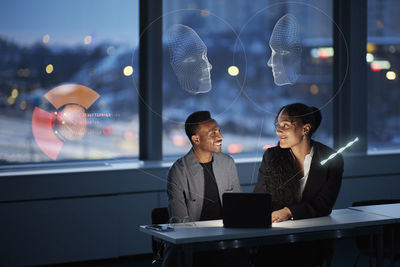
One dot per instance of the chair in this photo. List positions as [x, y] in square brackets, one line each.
[158, 216]
[391, 236]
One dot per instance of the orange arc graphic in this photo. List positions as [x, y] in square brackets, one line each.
[43, 132]
[71, 93]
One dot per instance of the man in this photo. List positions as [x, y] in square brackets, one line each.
[197, 181]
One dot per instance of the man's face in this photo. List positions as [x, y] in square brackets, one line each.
[208, 137]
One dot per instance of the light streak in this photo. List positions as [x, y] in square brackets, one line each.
[339, 151]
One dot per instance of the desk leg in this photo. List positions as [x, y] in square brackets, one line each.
[185, 256]
[188, 256]
[379, 247]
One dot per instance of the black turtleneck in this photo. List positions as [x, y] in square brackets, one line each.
[212, 209]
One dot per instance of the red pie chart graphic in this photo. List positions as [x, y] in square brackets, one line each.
[74, 99]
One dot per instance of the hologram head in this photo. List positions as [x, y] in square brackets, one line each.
[188, 58]
[285, 47]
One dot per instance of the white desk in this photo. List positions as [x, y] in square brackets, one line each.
[211, 235]
[388, 210]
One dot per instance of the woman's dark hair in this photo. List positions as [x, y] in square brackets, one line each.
[304, 114]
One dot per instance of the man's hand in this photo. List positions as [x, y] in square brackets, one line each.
[281, 215]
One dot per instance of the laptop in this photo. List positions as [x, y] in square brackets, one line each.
[246, 210]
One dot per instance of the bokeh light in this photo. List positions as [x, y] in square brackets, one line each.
[391, 75]
[371, 48]
[46, 38]
[179, 140]
[87, 40]
[314, 89]
[233, 70]
[22, 105]
[128, 70]
[267, 146]
[11, 100]
[130, 135]
[370, 57]
[107, 130]
[49, 68]
[14, 93]
[235, 148]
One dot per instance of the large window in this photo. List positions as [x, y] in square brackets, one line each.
[66, 89]
[244, 98]
[69, 76]
[383, 56]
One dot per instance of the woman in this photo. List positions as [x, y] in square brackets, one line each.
[300, 186]
[292, 172]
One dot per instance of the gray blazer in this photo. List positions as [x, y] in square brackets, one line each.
[185, 186]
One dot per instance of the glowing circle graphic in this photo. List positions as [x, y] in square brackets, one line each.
[52, 129]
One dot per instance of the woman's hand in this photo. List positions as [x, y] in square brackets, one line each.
[281, 215]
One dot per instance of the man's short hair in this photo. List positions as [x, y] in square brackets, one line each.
[193, 121]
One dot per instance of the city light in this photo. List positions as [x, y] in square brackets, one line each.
[22, 105]
[391, 75]
[314, 52]
[87, 40]
[107, 130]
[322, 52]
[267, 146]
[233, 70]
[130, 135]
[235, 148]
[370, 57]
[314, 89]
[325, 52]
[11, 100]
[371, 48]
[14, 93]
[49, 68]
[378, 65]
[179, 140]
[46, 38]
[128, 70]
[204, 12]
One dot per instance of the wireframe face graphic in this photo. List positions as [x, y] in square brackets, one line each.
[188, 58]
[285, 50]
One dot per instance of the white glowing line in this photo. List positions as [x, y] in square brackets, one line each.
[339, 151]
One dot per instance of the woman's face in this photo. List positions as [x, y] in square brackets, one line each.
[290, 132]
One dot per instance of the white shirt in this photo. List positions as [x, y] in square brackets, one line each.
[307, 164]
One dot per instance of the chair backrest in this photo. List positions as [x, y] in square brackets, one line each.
[158, 216]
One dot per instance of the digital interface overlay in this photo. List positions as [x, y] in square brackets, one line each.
[52, 129]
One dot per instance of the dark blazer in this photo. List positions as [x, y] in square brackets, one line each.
[322, 187]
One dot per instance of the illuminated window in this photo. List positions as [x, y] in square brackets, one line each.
[54, 57]
[244, 98]
[383, 80]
